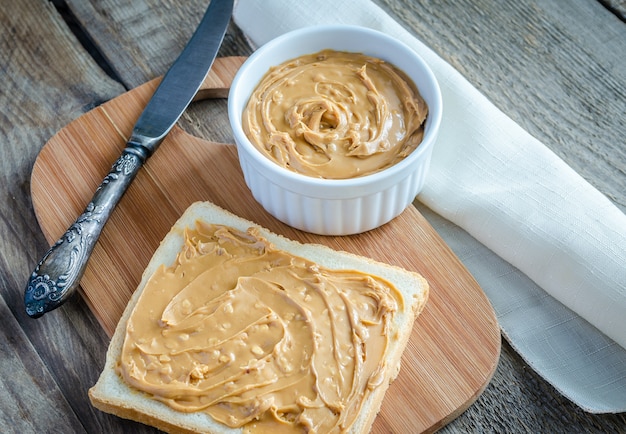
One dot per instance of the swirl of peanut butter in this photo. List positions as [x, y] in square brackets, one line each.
[259, 338]
[335, 115]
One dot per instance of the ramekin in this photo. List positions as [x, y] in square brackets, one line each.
[334, 206]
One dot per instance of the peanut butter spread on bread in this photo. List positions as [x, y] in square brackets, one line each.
[257, 337]
[335, 115]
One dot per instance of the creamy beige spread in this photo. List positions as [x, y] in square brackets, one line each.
[335, 115]
[259, 338]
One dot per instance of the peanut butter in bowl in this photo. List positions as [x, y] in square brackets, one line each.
[335, 127]
[335, 115]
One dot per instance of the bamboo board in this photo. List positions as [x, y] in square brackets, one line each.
[455, 344]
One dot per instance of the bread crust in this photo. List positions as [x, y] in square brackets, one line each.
[110, 394]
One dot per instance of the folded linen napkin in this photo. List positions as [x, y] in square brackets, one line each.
[560, 245]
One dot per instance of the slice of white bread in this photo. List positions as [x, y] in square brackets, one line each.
[112, 395]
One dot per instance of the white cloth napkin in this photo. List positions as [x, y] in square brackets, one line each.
[557, 279]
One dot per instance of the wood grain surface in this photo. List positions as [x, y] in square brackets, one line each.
[556, 67]
[455, 344]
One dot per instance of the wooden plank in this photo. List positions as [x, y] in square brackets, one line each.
[141, 39]
[28, 398]
[46, 366]
[617, 7]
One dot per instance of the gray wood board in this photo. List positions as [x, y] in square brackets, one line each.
[557, 68]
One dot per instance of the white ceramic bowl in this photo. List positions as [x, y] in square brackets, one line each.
[334, 206]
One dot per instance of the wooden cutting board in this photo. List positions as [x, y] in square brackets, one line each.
[455, 345]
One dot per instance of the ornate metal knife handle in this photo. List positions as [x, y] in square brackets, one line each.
[58, 274]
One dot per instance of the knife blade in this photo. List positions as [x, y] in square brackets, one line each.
[58, 274]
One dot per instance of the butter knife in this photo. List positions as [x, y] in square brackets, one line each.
[59, 272]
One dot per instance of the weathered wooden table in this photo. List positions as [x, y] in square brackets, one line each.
[558, 68]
